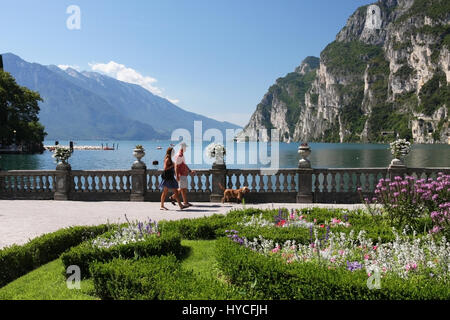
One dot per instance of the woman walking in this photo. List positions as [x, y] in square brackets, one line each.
[181, 172]
[168, 180]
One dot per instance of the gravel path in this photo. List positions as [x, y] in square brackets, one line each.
[21, 220]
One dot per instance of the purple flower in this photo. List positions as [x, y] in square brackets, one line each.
[352, 266]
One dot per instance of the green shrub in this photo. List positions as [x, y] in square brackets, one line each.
[154, 278]
[16, 260]
[84, 254]
[205, 228]
[271, 278]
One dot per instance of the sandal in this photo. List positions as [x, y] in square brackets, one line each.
[184, 207]
[173, 201]
[163, 208]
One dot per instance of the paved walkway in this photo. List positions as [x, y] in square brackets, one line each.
[21, 220]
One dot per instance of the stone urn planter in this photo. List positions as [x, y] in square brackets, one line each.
[138, 153]
[304, 151]
[400, 148]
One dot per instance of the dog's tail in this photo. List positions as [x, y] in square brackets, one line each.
[221, 187]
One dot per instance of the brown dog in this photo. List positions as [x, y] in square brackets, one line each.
[229, 194]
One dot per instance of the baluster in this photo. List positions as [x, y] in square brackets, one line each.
[341, 181]
[253, 181]
[100, 182]
[192, 184]
[121, 183]
[333, 181]
[316, 182]
[350, 182]
[114, 182]
[107, 183]
[285, 182]
[293, 177]
[230, 181]
[245, 179]
[325, 182]
[269, 183]
[367, 182]
[36, 183]
[261, 183]
[199, 176]
[47, 183]
[30, 183]
[150, 182]
[358, 180]
[79, 183]
[277, 182]
[207, 183]
[238, 180]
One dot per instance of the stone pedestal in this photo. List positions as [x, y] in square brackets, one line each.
[305, 172]
[305, 194]
[63, 182]
[218, 172]
[396, 168]
[138, 181]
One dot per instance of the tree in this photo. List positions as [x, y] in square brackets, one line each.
[19, 109]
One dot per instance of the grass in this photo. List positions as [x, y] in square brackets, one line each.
[49, 283]
[46, 283]
[201, 258]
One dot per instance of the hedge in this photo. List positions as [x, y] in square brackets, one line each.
[84, 254]
[16, 261]
[269, 277]
[205, 228]
[154, 278]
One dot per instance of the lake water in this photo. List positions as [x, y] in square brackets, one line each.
[332, 155]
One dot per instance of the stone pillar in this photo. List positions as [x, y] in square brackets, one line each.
[63, 183]
[396, 168]
[218, 177]
[305, 172]
[138, 181]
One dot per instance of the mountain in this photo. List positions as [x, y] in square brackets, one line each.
[386, 73]
[89, 105]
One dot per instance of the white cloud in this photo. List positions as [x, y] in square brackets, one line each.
[122, 73]
[67, 66]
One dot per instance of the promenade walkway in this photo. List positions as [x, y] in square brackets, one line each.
[21, 220]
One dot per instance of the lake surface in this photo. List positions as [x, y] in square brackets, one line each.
[332, 155]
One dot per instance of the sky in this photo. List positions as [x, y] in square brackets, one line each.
[213, 57]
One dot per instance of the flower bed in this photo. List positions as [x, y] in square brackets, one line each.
[133, 240]
[335, 245]
[270, 277]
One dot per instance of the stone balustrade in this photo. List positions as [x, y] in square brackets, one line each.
[302, 185]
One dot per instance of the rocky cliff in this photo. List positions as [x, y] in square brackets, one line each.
[386, 74]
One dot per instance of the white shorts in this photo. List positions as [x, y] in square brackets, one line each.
[183, 182]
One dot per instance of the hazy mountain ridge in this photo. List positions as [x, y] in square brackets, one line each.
[370, 81]
[89, 105]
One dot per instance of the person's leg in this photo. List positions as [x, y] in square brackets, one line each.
[184, 195]
[163, 197]
[176, 196]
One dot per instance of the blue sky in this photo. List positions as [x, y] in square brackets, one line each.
[216, 58]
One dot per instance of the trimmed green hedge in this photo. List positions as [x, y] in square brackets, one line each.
[269, 277]
[154, 278]
[84, 254]
[15, 261]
